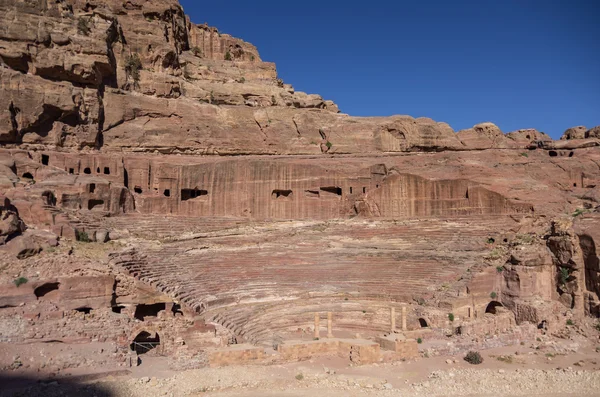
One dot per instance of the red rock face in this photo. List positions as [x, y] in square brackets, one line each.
[251, 204]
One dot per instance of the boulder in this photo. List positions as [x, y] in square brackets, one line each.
[574, 133]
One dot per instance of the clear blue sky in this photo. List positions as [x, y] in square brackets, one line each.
[516, 63]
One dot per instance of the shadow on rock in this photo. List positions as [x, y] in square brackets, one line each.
[23, 386]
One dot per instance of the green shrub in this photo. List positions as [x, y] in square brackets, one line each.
[451, 316]
[419, 340]
[228, 56]
[133, 65]
[242, 80]
[299, 377]
[578, 211]
[82, 236]
[473, 357]
[83, 26]
[564, 275]
[570, 322]
[493, 295]
[525, 154]
[20, 281]
[490, 241]
[197, 51]
[252, 58]
[499, 269]
[329, 145]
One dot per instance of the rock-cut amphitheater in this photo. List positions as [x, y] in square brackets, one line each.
[162, 190]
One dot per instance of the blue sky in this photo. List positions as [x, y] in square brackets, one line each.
[516, 63]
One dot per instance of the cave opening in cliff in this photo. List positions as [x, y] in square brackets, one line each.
[84, 310]
[45, 159]
[117, 309]
[143, 311]
[145, 342]
[167, 193]
[27, 175]
[137, 189]
[552, 153]
[332, 190]
[188, 194]
[92, 187]
[71, 170]
[45, 289]
[350, 189]
[87, 170]
[364, 190]
[571, 154]
[492, 307]
[95, 204]
[106, 171]
[278, 193]
[423, 323]
[176, 309]
[311, 193]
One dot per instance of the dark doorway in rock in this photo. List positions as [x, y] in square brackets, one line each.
[187, 194]
[176, 309]
[571, 154]
[27, 175]
[84, 310]
[117, 309]
[552, 153]
[332, 190]
[364, 190]
[167, 193]
[143, 311]
[45, 289]
[492, 307]
[71, 170]
[92, 187]
[281, 194]
[137, 189]
[49, 198]
[87, 170]
[97, 170]
[106, 171]
[45, 159]
[311, 193]
[423, 323]
[95, 204]
[145, 342]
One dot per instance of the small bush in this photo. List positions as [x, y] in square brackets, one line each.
[506, 359]
[83, 26]
[364, 311]
[133, 65]
[82, 236]
[197, 51]
[570, 322]
[525, 154]
[20, 281]
[597, 326]
[329, 145]
[473, 357]
[242, 80]
[564, 275]
[451, 316]
[578, 211]
[490, 241]
[252, 58]
[228, 56]
[493, 295]
[273, 100]
[499, 269]
[419, 340]
[299, 377]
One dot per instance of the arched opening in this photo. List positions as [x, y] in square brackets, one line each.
[137, 189]
[87, 170]
[92, 187]
[143, 311]
[27, 175]
[97, 170]
[492, 307]
[528, 136]
[552, 153]
[423, 323]
[350, 189]
[71, 170]
[167, 193]
[571, 154]
[364, 190]
[106, 171]
[145, 342]
[45, 289]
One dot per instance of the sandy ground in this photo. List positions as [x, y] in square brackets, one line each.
[507, 371]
